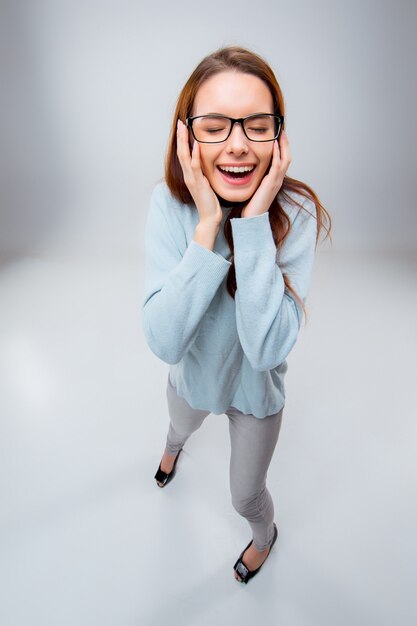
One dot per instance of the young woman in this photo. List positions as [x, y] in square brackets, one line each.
[230, 242]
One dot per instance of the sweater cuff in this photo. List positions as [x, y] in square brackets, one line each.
[249, 231]
[198, 258]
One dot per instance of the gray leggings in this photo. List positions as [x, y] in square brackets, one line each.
[253, 442]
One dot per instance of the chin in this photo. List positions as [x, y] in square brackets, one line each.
[236, 195]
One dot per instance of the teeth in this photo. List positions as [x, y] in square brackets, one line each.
[237, 169]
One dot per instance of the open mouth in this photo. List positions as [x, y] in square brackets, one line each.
[236, 178]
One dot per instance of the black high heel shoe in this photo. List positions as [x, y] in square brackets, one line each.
[244, 573]
[162, 477]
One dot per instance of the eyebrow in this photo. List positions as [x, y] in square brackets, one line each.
[224, 115]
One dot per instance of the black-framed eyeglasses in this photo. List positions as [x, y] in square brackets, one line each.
[216, 128]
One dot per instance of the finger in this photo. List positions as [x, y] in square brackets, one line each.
[183, 149]
[285, 148]
[278, 165]
[195, 158]
[276, 162]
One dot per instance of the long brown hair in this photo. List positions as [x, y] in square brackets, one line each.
[243, 60]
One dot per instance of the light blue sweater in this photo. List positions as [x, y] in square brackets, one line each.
[223, 351]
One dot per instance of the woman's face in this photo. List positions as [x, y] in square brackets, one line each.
[234, 94]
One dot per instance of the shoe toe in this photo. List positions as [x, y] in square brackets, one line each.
[163, 477]
[241, 569]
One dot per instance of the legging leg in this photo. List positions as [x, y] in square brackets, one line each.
[253, 442]
[184, 420]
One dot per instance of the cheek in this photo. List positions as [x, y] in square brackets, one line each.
[269, 153]
[206, 159]
[266, 159]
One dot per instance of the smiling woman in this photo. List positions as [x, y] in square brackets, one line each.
[230, 243]
[235, 83]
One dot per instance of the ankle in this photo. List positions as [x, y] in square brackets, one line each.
[170, 454]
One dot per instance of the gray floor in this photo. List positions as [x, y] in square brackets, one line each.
[87, 537]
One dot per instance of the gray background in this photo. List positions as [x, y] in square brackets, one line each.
[88, 91]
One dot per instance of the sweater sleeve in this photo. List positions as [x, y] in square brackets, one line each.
[179, 284]
[268, 318]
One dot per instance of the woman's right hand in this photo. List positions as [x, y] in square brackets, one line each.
[205, 199]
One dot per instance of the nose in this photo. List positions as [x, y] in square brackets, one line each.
[237, 141]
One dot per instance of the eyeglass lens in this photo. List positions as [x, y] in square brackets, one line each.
[212, 129]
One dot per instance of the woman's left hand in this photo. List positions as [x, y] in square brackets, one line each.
[272, 182]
